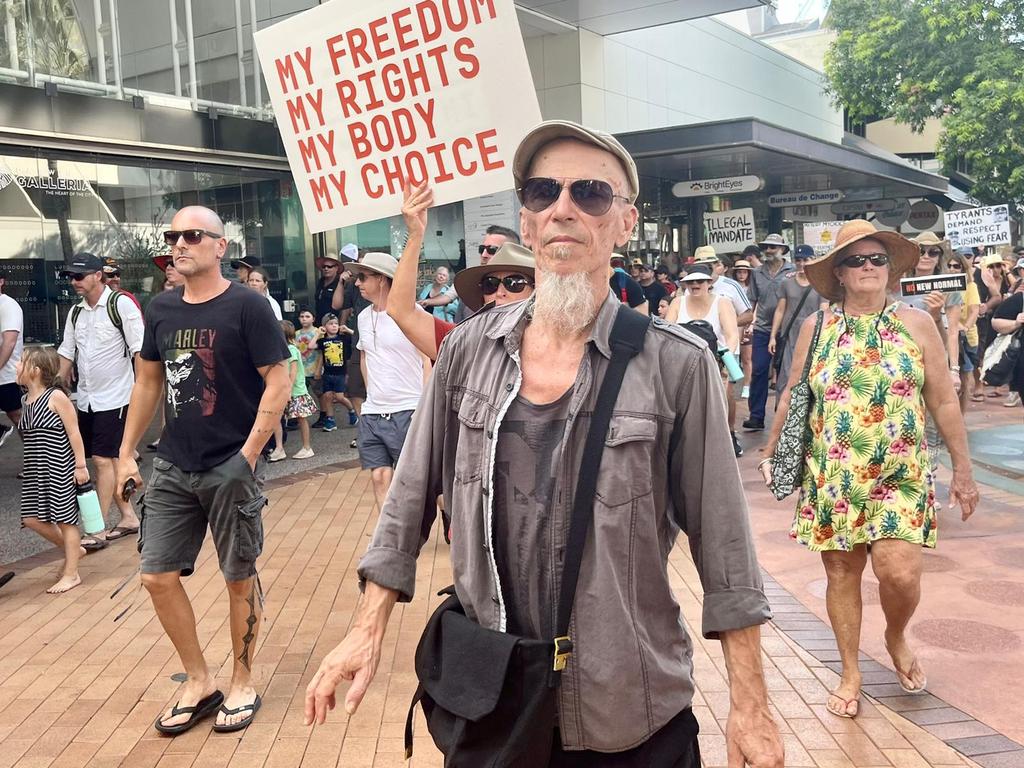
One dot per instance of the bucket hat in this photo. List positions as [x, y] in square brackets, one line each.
[774, 239]
[706, 254]
[381, 263]
[509, 258]
[903, 255]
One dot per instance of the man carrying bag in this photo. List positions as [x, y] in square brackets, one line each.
[503, 431]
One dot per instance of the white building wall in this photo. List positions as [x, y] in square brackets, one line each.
[678, 74]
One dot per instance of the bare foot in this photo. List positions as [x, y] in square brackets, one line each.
[844, 701]
[66, 583]
[237, 697]
[192, 692]
[908, 668]
[82, 552]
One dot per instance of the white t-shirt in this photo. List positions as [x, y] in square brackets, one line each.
[274, 306]
[11, 319]
[394, 367]
[730, 289]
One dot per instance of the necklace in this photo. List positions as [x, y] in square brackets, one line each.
[846, 322]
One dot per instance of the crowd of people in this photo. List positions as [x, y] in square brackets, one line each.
[473, 397]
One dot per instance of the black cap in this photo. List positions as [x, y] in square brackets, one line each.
[245, 261]
[661, 269]
[82, 263]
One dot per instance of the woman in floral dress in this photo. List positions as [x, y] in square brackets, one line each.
[876, 365]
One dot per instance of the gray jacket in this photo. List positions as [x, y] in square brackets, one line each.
[668, 464]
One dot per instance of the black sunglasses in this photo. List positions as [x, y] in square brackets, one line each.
[592, 196]
[513, 283]
[933, 252]
[78, 276]
[190, 236]
[361, 277]
[856, 262]
[491, 249]
[956, 265]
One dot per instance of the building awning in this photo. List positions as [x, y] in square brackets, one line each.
[608, 17]
[788, 161]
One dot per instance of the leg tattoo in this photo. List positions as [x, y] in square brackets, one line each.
[250, 634]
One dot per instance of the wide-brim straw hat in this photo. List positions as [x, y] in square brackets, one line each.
[741, 264]
[381, 263]
[903, 256]
[509, 258]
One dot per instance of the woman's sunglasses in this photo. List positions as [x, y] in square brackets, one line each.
[592, 196]
[190, 236]
[956, 266]
[698, 282]
[856, 262]
[513, 283]
[933, 252]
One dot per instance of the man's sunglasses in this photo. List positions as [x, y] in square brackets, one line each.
[592, 196]
[190, 236]
[78, 276]
[933, 252]
[856, 262]
[513, 283]
[491, 249]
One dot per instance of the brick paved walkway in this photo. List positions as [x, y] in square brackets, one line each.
[79, 690]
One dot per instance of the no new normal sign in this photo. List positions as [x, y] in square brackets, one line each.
[370, 94]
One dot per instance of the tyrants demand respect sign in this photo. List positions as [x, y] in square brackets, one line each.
[368, 95]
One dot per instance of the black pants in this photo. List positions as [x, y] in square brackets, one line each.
[673, 746]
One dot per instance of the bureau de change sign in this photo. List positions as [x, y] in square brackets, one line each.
[369, 94]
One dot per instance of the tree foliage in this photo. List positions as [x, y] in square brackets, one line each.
[961, 61]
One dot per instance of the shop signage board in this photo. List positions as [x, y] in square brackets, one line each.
[729, 185]
[815, 197]
[988, 225]
[864, 206]
[894, 216]
[730, 230]
[821, 235]
[923, 215]
[368, 94]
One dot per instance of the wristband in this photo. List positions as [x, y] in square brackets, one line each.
[954, 368]
[763, 462]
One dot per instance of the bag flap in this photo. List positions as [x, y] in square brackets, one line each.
[462, 665]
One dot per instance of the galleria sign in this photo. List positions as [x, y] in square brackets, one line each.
[53, 184]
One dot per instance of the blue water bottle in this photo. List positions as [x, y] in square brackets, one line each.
[732, 365]
[89, 508]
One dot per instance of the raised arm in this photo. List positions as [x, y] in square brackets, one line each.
[417, 325]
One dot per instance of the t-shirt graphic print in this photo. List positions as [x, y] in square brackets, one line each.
[191, 370]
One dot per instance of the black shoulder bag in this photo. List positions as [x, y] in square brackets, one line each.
[781, 342]
[490, 697]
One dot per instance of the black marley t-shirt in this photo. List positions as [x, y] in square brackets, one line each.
[211, 352]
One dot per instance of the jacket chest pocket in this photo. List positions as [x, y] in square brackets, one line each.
[628, 460]
[471, 449]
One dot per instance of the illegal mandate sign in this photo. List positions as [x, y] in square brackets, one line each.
[370, 93]
[729, 231]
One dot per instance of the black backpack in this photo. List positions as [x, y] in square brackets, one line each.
[704, 331]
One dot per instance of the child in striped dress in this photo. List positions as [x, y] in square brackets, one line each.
[54, 460]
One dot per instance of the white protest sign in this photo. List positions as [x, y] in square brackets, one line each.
[989, 225]
[371, 93]
[821, 235]
[732, 229]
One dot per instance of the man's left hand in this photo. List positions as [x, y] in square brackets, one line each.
[752, 738]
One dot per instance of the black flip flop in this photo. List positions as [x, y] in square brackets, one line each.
[121, 532]
[6, 577]
[206, 707]
[255, 707]
[94, 546]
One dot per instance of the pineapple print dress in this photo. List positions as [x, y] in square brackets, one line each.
[867, 475]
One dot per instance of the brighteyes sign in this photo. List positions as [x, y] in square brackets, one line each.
[729, 185]
[818, 197]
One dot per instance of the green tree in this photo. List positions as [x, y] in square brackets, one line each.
[961, 61]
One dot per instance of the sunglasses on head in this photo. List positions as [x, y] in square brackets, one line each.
[190, 236]
[491, 249]
[592, 196]
[933, 252]
[856, 262]
[513, 283]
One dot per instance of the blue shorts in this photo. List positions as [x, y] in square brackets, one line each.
[334, 382]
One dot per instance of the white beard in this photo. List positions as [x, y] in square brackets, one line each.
[564, 303]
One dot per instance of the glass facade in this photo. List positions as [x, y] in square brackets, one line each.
[53, 206]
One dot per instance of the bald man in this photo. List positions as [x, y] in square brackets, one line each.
[219, 349]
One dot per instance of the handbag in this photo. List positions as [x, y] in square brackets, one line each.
[781, 341]
[490, 697]
[788, 457]
[1001, 359]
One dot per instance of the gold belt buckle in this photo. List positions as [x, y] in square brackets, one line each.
[563, 649]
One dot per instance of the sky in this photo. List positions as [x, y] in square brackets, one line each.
[797, 10]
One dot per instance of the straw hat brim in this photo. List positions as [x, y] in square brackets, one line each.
[903, 256]
[467, 282]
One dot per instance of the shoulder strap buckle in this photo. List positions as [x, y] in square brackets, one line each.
[563, 649]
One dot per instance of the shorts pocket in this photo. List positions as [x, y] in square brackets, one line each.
[142, 523]
[249, 529]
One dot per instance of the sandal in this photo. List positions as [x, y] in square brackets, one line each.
[254, 707]
[978, 398]
[93, 544]
[121, 531]
[900, 674]
[206, 707]
[855, 701]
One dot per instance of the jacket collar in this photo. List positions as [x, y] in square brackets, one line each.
[513, 321]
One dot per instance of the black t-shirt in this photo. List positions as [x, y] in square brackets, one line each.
[324, 296]
[354, 300]
[624, 285]
[1009, 310]
[654, 292]
[336, 351]
[211, 352]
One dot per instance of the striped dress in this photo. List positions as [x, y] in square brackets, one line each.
[48, 490]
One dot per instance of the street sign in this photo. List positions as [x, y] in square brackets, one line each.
[728, 185]
[989, 225]
[864, 206]
[815, 197]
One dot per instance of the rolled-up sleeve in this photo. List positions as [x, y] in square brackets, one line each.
[411, 505]
[710, 504]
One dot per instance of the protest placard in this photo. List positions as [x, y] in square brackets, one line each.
[949, 283]
[730, 230]
[821, 235]
[369, 94]
[988, 225]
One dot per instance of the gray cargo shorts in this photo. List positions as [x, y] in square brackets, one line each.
[179, 506]
[381, 437]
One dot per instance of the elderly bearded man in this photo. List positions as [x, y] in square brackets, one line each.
[500, 431]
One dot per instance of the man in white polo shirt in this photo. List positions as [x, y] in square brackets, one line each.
[12, 324]
[103, 339]
[394, 372]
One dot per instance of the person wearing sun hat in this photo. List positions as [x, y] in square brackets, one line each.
[506, 278]
[876, 366]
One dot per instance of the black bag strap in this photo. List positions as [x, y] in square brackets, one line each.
[803, 300]
[627, 339]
